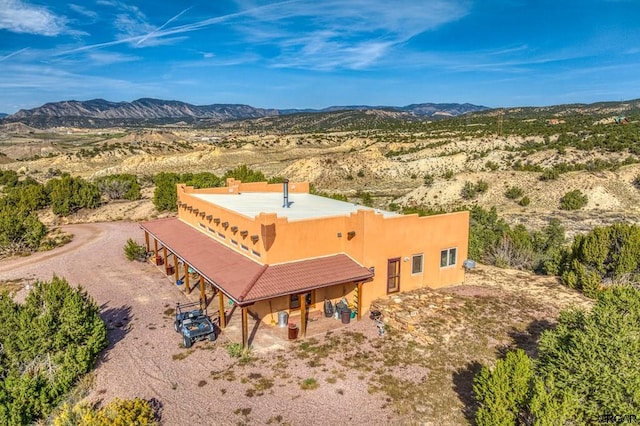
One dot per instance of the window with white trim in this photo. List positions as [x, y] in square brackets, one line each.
[416, 263]
[448, 257]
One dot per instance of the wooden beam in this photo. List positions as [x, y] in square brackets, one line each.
[146, 240]
[176, 272]
[155, 245]
[303, 314]
[164, 253]
[203, 297]
[186, 274]
[359, 305]
[245, 329]
[223, 318]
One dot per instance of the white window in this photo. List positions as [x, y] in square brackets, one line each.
[416, 263]
[448, 257]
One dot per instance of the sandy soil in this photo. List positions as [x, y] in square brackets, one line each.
[207, 387]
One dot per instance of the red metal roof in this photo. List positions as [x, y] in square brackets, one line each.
[244, 279]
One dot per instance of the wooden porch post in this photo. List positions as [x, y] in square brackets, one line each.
[146, 240]
[155, 247]
[303, 314]
[245, 329]
[203, 297]
[223, 319]
[176, 273]
[359, 306]
[186, 274]
[164, 253]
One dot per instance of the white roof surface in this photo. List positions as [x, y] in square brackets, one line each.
[301, 206]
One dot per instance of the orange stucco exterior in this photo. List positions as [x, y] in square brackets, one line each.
[366, 236]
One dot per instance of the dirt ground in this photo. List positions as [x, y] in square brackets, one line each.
[350, 375]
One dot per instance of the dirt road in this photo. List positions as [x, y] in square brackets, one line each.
[145, 359]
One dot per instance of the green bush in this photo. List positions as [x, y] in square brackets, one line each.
[20, 232]
[428, 179]
[502, 392]
[119, 187]
[48, 343]
[606, 254]
[513, 192]
[573, 200]
[524, 201]
[118, 412]
[471, 190]
[69, 194]
[586, 368]
[134, 251]
[550, 174]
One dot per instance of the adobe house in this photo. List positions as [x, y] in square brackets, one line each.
[275, 247]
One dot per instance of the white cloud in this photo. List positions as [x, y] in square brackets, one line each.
[20, 17]
[83, 11]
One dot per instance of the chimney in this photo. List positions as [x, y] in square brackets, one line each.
[285, 188]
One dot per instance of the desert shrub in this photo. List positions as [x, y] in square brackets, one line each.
[245, 174]
[448, 174]
[134, 251]
[48, 343]
[118, 412]
[513, 192]
[468, 191]
[365, 198]
[428, 179]
[549, 174]
[608, 254]
[471, 190]
[586, 368]
[119, 187]
[636, 181]
[592, 357]
[69, 194]
[20, 232]
[486, 230]
[492, 166]
[502, 392]
[165, 196]
[8, 178]
[573, 200]
[524, 201]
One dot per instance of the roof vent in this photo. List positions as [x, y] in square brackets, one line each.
[285, 189]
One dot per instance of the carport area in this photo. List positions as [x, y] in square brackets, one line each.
[248, 296]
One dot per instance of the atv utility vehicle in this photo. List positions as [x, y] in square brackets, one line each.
[193, 324]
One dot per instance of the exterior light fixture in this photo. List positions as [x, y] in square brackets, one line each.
[351, 234]
[202, 214]
[244, 233]
[225, 225]
[234, 229]
[195, 211]
[339, 235]
[209, 217]
[216, 220]
[254, 239]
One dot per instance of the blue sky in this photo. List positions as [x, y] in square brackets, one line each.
[318, 53]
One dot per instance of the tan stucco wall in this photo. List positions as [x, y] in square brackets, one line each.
[376, 240]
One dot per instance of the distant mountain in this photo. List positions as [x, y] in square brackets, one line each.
[102, 113]
[2, 114]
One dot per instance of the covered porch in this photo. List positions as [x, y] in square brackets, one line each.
[247, 296]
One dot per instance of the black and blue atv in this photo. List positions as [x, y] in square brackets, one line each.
[193, 324]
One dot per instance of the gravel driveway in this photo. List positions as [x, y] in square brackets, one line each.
[201, 386]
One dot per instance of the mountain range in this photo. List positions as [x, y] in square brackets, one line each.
[102, 113]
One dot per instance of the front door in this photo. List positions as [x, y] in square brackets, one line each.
[393, 275]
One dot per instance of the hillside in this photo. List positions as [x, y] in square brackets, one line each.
[392, 156]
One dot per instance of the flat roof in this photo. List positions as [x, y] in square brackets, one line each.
[301, 205]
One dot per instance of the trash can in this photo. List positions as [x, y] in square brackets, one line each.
[293, 331]
[159, 260]
[346, 316]
[170, 270]
[283, 317]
